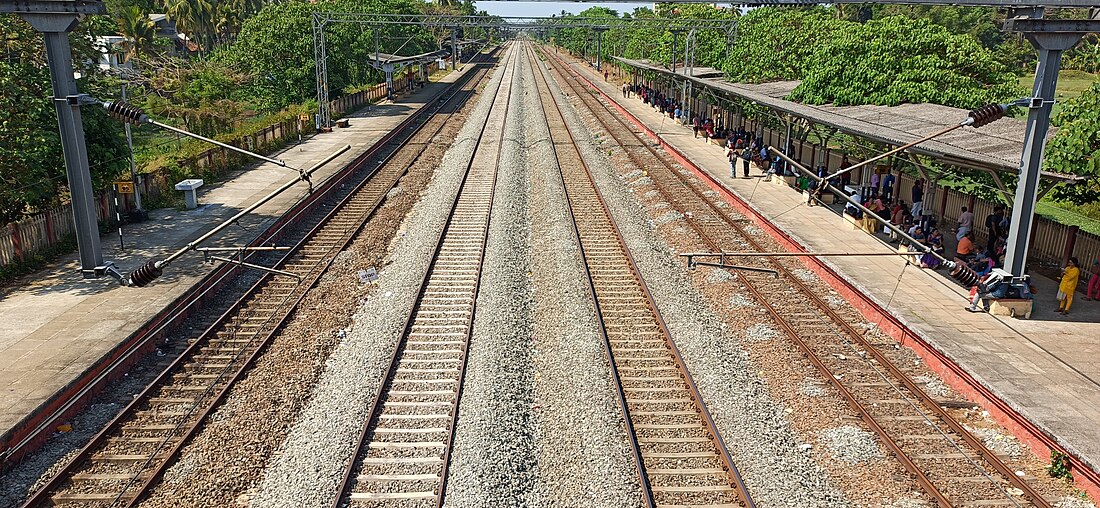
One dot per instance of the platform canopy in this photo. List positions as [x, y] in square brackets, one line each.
[996, 148]
[385, 58]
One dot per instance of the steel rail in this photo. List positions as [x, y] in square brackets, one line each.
[734, 476]
[100, 439]
[927, 402]
[318, 270]
[140, 342]
[346, 484]
[643, 479]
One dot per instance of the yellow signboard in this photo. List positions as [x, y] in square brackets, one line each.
[124, 187]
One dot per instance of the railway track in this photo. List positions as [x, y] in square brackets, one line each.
[681, 458]
[950, 464]
[404, 447]
[121, 463]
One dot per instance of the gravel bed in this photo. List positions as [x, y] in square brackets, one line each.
[760, 439]
[1074, 502]
[933, 385]
[257, 414]
[574, 390]
[740, 301]
[997, 441]
[851, 444]
[493, 458]
[310, 463]
[812, 388]
[35, 470]
[717, 275]
[761, 332]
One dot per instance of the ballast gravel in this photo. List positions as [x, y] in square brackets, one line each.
[493, 459]
[998, 442]
[851, 444]
[739, 301]
[767, 452]
[812, 388]
[717, 275]
[311, 462]
[585, 458]
[761, 332]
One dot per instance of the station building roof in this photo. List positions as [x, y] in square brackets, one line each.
[996, 147]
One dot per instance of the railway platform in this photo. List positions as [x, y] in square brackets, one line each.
[1038, 377]
[57, 327]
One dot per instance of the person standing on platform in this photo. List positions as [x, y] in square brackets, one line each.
[875, 178]
[888, 186]
[966, 223]
[732, 156]
[746, 157]
[918, 199]
[1070, 274]
[695, 125]
[1093, 291]
[626, 91]
[993, 227]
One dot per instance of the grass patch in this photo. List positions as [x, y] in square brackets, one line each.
[1071, 84]
[1069, 217]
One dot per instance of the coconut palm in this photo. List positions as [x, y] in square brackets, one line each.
[195, 18]
[140, 32]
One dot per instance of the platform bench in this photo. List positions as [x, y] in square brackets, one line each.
[1012, 307]
[342, 123]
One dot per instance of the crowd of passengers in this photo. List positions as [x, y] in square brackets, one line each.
[740, 144]
[744, 148]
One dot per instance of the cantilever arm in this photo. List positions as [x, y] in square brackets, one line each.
[149, 272]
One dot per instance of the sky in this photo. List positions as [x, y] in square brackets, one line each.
[511, 8]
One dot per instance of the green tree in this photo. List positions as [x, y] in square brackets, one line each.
[194, 18]
[202, 94]
[275, 47]
[1075, 148]
[140, 32]
[32, 168]
[777, 43]
[898, 60]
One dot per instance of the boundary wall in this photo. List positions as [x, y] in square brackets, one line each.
[22, 240]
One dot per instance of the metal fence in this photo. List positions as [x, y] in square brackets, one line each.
[1052, 243]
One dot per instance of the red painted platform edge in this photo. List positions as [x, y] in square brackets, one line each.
[1040, 441]
[143, 341]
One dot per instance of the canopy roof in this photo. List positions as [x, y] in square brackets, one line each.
[386, 58]
[996, 147]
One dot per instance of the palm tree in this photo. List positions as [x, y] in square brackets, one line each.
[195, 18]
[140, 32]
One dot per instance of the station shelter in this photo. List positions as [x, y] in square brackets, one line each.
[811, 134]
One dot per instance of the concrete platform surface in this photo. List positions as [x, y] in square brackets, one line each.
[56, 325]
[1046, 368]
